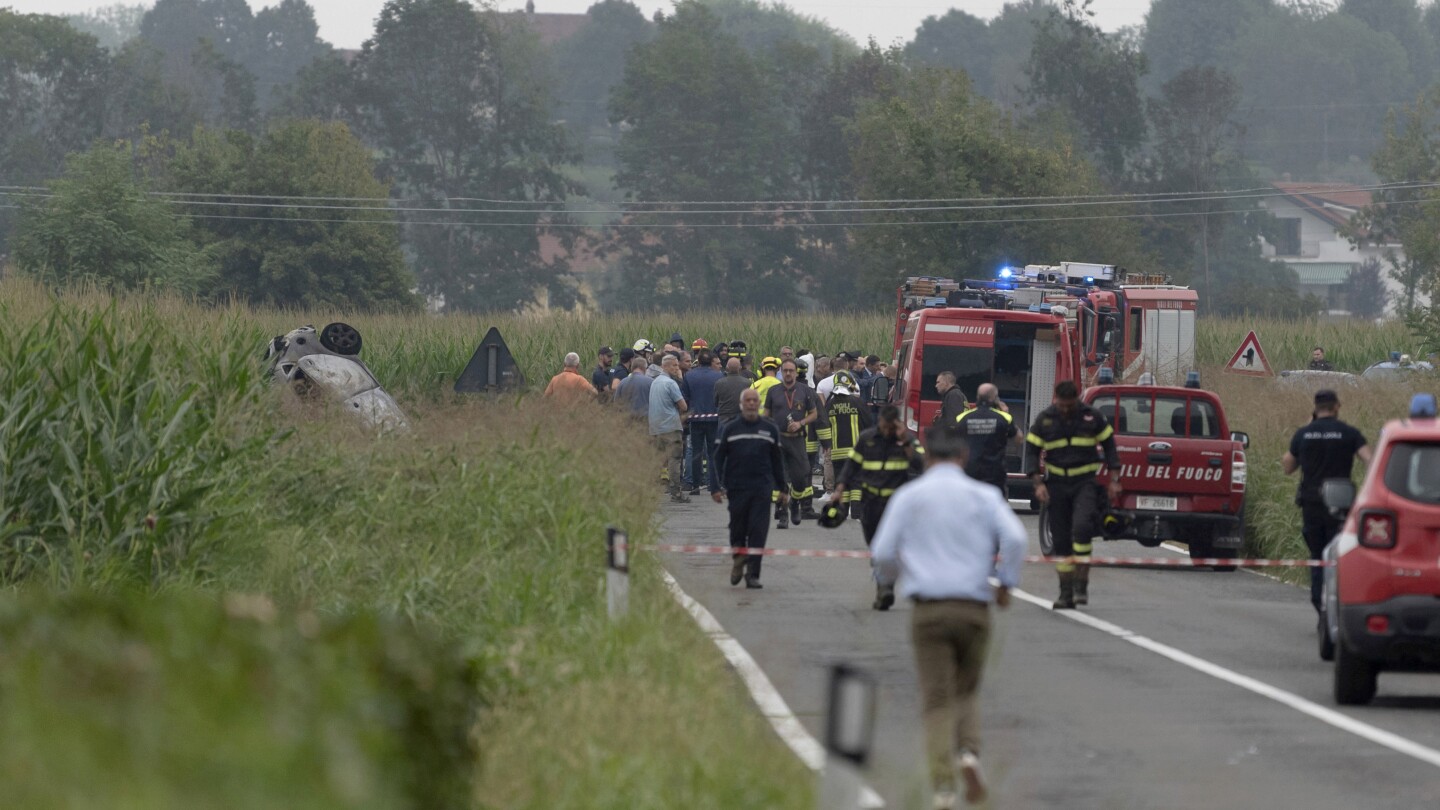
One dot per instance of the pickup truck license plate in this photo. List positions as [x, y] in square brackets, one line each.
[1152, 502]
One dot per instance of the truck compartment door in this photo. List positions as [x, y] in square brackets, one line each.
[1163, 341]
[1043, 352]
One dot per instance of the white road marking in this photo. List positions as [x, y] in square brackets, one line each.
[764, 693]
[1344, 722]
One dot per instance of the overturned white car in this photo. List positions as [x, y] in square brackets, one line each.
[328, 363]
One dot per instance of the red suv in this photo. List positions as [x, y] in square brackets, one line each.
[1381, 606]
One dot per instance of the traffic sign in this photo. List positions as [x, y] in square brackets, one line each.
[491, 368]
[1250, 358]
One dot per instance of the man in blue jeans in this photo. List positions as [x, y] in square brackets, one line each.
[699, 391]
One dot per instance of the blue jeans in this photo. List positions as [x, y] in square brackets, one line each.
[701, 450]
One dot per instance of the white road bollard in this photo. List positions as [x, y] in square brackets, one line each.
[617, 573]
[849, 733]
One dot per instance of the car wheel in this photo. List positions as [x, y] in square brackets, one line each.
[1322, 635]
[1355, 677]
[1047, 545]
[341, 338]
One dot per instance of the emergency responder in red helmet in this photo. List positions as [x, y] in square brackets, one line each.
[1069, 433]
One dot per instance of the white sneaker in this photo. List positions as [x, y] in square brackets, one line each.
[974, 778]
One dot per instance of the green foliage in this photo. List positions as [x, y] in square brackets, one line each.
[115, 451]
[592, 61]
[1365, 290]
[182, 701]
[935, 139]
[1093, 80]
[761, 26]
[993, 54]
[459, 105]
[345, 254]
[1183, 34]
[97, 225]
[112, 25]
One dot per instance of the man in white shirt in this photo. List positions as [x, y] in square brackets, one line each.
[940, 536]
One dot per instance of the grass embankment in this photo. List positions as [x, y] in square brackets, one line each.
[217, 600]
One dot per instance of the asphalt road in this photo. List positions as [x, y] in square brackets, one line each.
[1073, 716]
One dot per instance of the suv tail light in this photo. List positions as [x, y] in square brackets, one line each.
[1376, 528]
[1237, 471]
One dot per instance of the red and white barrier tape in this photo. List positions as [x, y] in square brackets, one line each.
[847, 554]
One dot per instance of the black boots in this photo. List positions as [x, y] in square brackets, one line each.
[1067, 591]
[782, 516]
[806, 510]
[737, 568]
[1082, 584]
[884, 597]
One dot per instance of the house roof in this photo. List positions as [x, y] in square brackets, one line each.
[1334, 203]
[554, 27]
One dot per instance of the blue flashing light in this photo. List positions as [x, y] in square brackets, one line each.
[1394, 357]
[1107, 376]
[1090, 281]
[1192, 379]
[1006, 272]
[1422, 406]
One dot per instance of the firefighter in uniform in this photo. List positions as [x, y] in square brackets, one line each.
[1068, 432]
[884, 458]
[848, 417]
[792, 406]
[987, 428]
[817, 433]
[769, 369]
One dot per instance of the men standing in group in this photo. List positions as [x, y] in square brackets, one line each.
[849, 417]
[987, 428]
[884, 459]
[940, 540]
[1325, 448]
[727, 391]
[666, 406]
[952, 399]
[704, 421]
[1068, 432]
[749, 466]
[792, 406]
[634, 391]
[568, 385]
[603, 377]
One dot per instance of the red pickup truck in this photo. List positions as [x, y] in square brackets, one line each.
[1184, 470]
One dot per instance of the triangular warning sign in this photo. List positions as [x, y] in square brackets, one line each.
[491, 368]
[1250, 358]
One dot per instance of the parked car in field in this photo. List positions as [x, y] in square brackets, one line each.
[1381, 598]
[1399, 368]
[1314, 380]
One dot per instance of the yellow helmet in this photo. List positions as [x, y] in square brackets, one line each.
[770, 362]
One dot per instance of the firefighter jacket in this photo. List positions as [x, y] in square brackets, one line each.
[747, 457]
[848, 417]
[817, 433]
[988, 431]
[1070, 444]
[879, 465]
[761, 386]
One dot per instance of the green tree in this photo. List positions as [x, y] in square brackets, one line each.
[1365, 290]
[761, 26]
[1093, 81]
[1403, 20]
[270, 250]
[1181, 34]
[935, 139]
[112, 25]
[460, 106]
[97, 225]
[957, 40]
[704, 122]
[592, 61]
[285, 39]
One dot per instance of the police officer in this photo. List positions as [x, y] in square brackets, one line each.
[848, 417]
[1325, 448]
[987, 428]
[748, 468]
[884, 458]
[1069, 432]
[792, 406]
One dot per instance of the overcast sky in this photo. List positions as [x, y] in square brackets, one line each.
[347, 23]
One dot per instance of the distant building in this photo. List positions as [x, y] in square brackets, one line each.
[1310, 218]
[553, 28]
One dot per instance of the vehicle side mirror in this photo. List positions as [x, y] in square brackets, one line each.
[1338, 495]
[1242, 438]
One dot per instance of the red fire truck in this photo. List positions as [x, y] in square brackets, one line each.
[1031, 327]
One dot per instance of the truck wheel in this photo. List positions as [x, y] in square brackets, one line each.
[1322, 634]
[1047, 546]
[1355, 678]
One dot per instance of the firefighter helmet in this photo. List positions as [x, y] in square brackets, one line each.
[642, 346]
[769, 363]
[739, 349]
[832, 515]
[699, 344]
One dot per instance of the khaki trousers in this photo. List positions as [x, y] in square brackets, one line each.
[673, 446]
[950, 639]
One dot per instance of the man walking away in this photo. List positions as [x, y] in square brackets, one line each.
[569, 386]
[952, 399]
[987, 428]
[666, 405]
[704, 419]
[1325, 448]
[727, 391]
[1069, 431]
[791, 406]
[748, 468]
[634, 391]
[941, 540]
[885, 458]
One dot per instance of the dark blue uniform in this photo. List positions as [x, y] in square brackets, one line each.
[748, 467]
[1325, 448]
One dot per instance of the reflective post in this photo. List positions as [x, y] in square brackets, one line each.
[849, 734]
[617, 572]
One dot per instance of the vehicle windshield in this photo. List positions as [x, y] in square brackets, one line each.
[1413, 472]
[970, 364]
